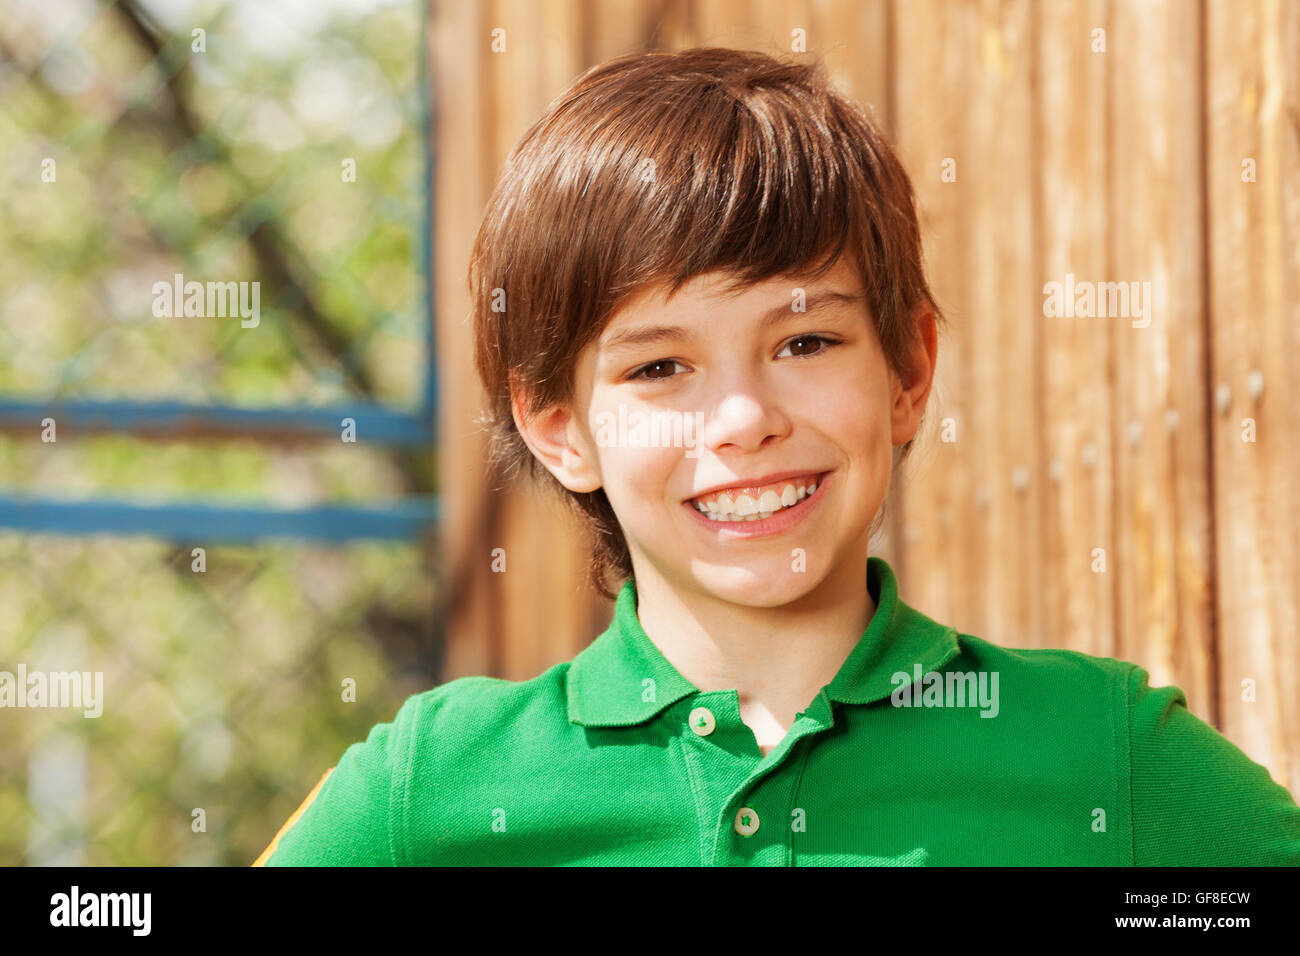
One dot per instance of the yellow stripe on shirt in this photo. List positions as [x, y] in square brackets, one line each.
[266, 854]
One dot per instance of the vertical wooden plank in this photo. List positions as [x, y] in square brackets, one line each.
[617, 27]
[675, 25]
[1075, 353]
[1252, 105]
[458, 44]
[737, 24]
[1006, 304]
[1160, 561]
[856, 47]
[982, 498]
[932, 496]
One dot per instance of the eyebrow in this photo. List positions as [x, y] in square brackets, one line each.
[654, 334]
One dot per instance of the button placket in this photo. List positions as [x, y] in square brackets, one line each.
[782, 764]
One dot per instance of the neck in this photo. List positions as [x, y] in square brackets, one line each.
[776, 658]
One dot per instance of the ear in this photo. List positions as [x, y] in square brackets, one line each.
[555, 438]
[911, 390]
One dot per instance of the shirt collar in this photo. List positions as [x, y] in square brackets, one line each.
[623, 678]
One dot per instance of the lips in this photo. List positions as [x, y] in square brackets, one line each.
[772, 517]
[758, 500]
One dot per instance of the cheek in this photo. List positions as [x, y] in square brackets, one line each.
[637, 479]
[855, 414]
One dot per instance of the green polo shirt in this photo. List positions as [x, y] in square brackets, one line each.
[928, 748]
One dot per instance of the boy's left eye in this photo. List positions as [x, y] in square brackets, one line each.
[644, 372]
[821, 341]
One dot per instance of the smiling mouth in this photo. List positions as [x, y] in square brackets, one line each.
[755, 503]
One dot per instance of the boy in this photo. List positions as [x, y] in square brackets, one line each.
[719, 241]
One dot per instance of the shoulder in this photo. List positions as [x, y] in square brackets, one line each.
[476, 706]
[458, 726]
[364, 810]
[1101, 680]
[1195, 798]
[1079, 686]
[1066, 707]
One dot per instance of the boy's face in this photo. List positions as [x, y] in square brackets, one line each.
[745, 396]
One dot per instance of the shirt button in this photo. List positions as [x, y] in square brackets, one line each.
[746, 821]
[701, 721]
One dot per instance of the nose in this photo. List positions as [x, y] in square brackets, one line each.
[745, 416]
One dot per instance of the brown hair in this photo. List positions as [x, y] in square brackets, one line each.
[658, 167]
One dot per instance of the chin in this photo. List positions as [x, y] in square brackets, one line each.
[750, 587]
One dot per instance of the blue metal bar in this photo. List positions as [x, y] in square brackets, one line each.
[374, 422]
[193, 523]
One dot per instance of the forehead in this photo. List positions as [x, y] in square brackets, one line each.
[712, 288]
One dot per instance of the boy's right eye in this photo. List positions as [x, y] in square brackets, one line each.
[644, 371]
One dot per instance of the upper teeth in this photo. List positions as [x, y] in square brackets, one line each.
[745, 508]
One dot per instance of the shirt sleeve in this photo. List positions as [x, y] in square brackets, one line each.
[352, 816]
[1197, 799]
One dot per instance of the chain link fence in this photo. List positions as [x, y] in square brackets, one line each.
[277, 144]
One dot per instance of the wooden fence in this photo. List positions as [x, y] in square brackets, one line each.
[1048, 142]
